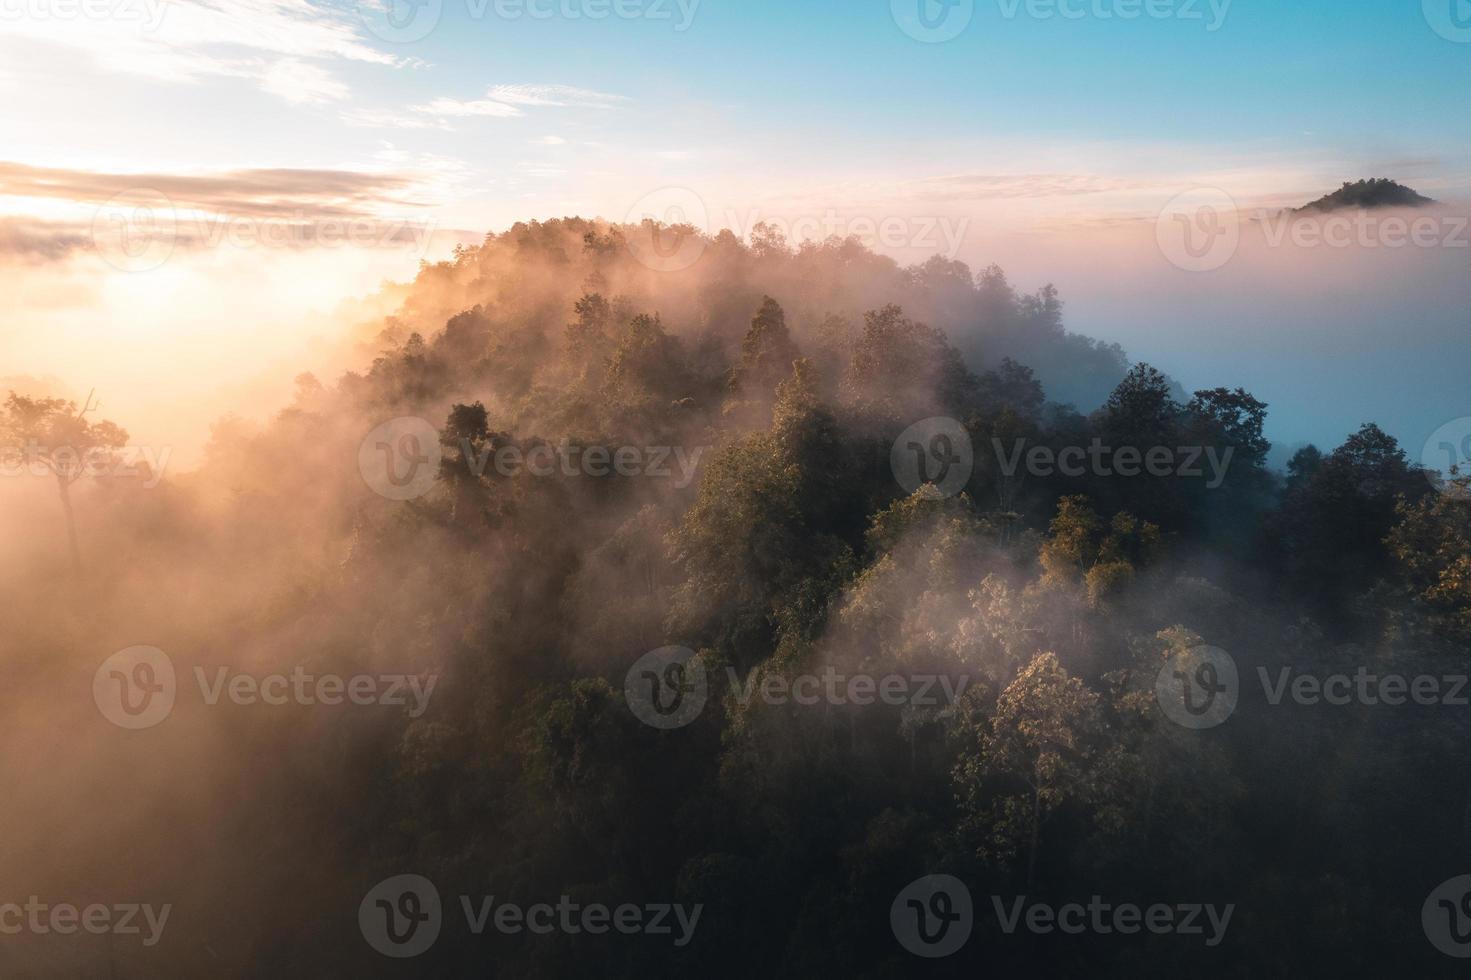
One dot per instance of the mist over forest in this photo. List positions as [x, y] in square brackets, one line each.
[775, 468]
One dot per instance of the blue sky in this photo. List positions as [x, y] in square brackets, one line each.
[754, 96]
[1029, 137]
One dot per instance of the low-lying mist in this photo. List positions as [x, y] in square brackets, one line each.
[170, 740]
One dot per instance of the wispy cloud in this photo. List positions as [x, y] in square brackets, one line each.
[187, 41]
[553, 95]
[507, 101]
[273, 193]
[391, 119]
[299, 82]
[55, 211]
[477, 107]
[975, 187]
[40, 241]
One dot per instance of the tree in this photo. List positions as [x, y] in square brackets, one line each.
[1011, 386]
[903, 370]
[1328, 534]
[1235, 419]
[586, 339]
[1081, 548]
[646, 369]
[1230, 422]
[759, 547]
[767, 351]
[1432, 547]
[1035, 755]
[53, 433]
[1141, 411]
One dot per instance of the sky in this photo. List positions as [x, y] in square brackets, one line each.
[991, 130]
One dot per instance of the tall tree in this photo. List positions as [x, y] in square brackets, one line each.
[1034, 756]
[53, 433]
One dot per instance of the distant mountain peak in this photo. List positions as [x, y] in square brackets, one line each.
[1377, 192]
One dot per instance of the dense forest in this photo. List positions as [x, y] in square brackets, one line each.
[779, 519]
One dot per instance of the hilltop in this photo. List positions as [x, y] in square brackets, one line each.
[1378, 192]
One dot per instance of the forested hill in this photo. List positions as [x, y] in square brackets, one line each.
[1377, 192]
[765, 466]
[704, 290]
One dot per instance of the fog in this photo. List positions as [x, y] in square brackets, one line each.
[1353, 325]
[515, 603]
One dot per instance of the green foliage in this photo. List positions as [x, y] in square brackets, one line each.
[1050, 605]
